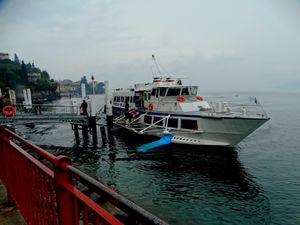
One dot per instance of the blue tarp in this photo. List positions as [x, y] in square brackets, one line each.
[164, 140]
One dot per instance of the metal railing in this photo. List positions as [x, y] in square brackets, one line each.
[46, 109]
[45, 189]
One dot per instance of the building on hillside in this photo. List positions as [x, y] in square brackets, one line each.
[34, 77]
[67, 87]
[4, 56]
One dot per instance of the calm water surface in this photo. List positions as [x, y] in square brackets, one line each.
[258, 182]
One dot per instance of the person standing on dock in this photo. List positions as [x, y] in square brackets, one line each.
[126, 109]
[83, 108]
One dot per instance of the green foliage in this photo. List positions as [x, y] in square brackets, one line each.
[13, 74]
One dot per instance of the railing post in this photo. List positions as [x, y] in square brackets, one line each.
[64, 201]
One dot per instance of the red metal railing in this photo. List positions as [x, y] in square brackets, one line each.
[43, 188]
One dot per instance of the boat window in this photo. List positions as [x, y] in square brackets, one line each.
[122, 99]
[189, 124]
[115, 99]
[118, 99]
[153, 92]
[173, 92]
[193, 90]
[148, 119]
[184, 91]
[157, 119]
[173, 122]
[162, 91]
[127, 98]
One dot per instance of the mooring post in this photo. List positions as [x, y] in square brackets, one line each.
[108, 109]
[92, 125]
[103, 134]
[76, 132]
[85, 131]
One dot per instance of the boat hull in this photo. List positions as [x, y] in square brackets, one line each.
[211, 131]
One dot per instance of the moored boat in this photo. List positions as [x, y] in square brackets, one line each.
[167, 107]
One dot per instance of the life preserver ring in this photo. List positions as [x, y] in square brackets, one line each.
[8, 110]
[150, 106]
[200, 98]
[180, 99]
[133, 114]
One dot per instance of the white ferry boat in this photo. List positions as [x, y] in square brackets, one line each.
[167, 107]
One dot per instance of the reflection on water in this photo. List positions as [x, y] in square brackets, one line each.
[179, 184]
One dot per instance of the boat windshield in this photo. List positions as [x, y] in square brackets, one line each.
[162, 91]
[173, 92]
[194, 90]
[189, 91]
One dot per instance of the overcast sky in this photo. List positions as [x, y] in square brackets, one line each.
[217, 44]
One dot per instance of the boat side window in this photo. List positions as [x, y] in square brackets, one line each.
[155, 119]
[173, 123]
[118, 99]
[162, 91]
[148, 119]
[189, 124]
[122, 99]
[173, 92]
[115, 98]
[127, 98]
[184, 91]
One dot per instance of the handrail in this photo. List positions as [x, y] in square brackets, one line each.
[41, 152]
[166, 117]
[113, 197]
[48, 194]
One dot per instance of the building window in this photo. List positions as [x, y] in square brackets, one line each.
[148, 119]
[173, 123]
[155, 119]
[189, 124]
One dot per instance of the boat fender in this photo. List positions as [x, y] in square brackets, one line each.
[180, 99]
[8, 110]
[150, 106]
[200, 98]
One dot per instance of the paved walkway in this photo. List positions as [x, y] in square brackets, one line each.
[8, 215]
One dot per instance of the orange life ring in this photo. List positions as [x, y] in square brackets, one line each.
[150, 106]
[180, 99]
[8, 110]
[200, 98]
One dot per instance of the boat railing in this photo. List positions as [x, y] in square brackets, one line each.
[238, 109]
[153, 124]
[139, 117]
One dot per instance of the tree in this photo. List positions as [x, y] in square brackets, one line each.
[17, 61]
[45, 75]
[23, 73]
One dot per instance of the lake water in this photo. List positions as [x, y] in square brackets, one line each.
[257, 182]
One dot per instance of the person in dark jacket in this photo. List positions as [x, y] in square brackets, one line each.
[83, 108]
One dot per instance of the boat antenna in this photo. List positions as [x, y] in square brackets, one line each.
[159, 68]
[156, 70]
